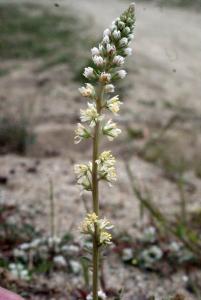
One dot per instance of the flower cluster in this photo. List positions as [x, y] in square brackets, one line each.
[106, 169]
[92, 223]
[83, 173]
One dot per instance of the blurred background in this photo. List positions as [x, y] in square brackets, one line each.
[156, 204]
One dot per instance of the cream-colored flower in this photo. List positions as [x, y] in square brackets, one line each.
[128, 51]
[81, 133]
[123, 42]
[95, 51]
[98, 60]
[90, 115]
[105, 238]
[87, 91]
[121, 74]
[106, 158]
[109, 88]
[88, 72]
[92, 222]
[110, 130]
[118, 60]
[113, 104]
[106, 169]
[83, 174]
[105, 77]
[116, 34]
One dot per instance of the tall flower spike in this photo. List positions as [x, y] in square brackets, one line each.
[107, 61]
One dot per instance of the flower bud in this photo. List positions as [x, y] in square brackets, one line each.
[98, 60]
[121, 74]
[116, 34]
[123, 42]
[128, 51]
[88, 72]
[118, 60]
[105, 77]
[109, 88]
[95, 51]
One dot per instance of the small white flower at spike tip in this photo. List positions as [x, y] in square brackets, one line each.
[109, 88]
[106, 39]
[118, 60]
[88, 72]
[87, 91]
[116, 34]
[123, 42]
[128, 51]
[121, 74]
[95, 51]
[81, 133]
[110, 130]
[113, 104]
[106, 32]
[105, 77]
[90, 115]
[98, 60]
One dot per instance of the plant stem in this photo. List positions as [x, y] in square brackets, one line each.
[95, 194]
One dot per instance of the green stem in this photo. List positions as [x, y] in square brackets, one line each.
[95, 194]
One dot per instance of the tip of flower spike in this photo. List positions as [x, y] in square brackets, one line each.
[132, 6]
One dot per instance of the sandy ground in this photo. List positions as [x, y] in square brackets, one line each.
[165, 68]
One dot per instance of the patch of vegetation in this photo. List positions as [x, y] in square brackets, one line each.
[15, 135]
[32, 31]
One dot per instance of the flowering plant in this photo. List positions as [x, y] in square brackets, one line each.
[107, 59]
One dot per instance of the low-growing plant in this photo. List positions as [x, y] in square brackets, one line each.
[15, 135]
[104, 71]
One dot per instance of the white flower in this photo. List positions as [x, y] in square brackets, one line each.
[175, 247]
[121, 74]
[101, 296]
[24, 246]
[95, 51]
[87, 91]
[81, 133]
[19, 253]
[106, 39]
[109, 88]
[149, 234]
[53, 240]
[128, 51]
[88, 72]
[123, 42]
[106, 170]
[98, 60]
[106, 32]
[105, 77]
[151, 255]
[90, 115]
[70, 249]
[59, 261]
[110, 49]
[113, 104]
[116, 34]
[35, 243]
[127, 254]
[18, 271]
[75, 266]
[110, 129]
[118, 60]
[106, 158]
